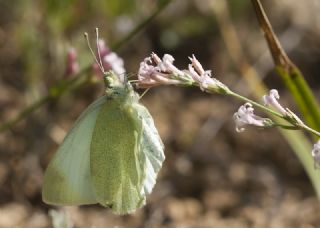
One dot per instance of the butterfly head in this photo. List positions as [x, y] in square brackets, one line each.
[116, 87]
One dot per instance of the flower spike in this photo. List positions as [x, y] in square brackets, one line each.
[154, 71]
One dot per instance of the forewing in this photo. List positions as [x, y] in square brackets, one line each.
[114, 158]
[67, 178]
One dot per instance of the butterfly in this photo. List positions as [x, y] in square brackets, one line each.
[111, 156]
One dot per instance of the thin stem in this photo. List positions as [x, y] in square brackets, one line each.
[287, 127]
[305, 127]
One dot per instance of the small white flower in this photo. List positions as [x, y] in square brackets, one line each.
[146, 72]
[202, 77]
[245, 116]
[272, 100]
[196, 65]
[316, 154]
[167, 65]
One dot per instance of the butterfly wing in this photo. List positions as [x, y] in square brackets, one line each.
[114, 158]
[114, 164]
[151, 149]
[126, 156]
[67, 178]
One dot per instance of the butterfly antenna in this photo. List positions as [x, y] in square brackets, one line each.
[144, 93]
[98, 49]
[92, 52]
[130, 75]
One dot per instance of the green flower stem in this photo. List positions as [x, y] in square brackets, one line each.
[287, 127]
[309, 129]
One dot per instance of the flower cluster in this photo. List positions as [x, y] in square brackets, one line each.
[154, 71]
[245, 116]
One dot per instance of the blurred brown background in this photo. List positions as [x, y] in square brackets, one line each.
[212, 176]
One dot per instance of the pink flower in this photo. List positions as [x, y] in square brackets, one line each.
[245, 116]
[72, 66]
[202, 77]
